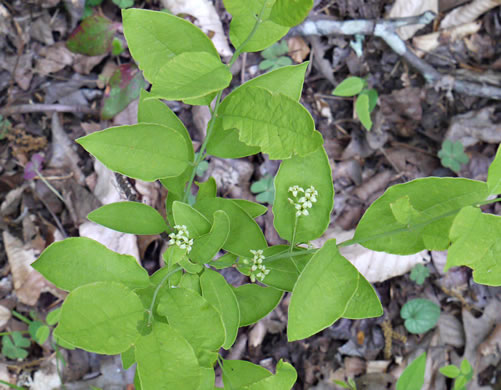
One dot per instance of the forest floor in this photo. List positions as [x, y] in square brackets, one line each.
[49, 96]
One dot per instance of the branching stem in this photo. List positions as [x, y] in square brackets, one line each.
[155, 294]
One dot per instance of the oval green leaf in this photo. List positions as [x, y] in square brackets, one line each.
[129, 217]
[324, 292]
[287, 80]
[362, 108]
[494, 175]
[437, 200]
[207, 246]
[255, 302]
[165, 360]
[241, 225]
[145, 151]
[166, 35]
[413, 376]
[420, 315]
[196, 319]
[220, 295]
[196, 223]
[191, 75]
[351, 86]
[79, 260]
[298, 171]
[277, 124]
[290, 13]
[252, 208]
[101, 317]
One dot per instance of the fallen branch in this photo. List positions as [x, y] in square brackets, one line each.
[386, 29]
[30, 108]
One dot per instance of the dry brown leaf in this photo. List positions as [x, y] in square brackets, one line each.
[5, 316]
[474, 127]
[429, 42]
[298, 49]
[41, 30]
[207, 19]
[47, 377]
[84, 64]
[375, 266]
[127, 116]
[24, 68]
[5, 376]
[450, 330]
[403, 8]
[54, 58]
[28, 283]
[468, 13]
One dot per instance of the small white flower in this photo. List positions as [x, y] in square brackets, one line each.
[181, 238]
[257, 269]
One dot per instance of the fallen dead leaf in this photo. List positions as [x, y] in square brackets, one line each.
[24, 68]
[375, 266]
[53, 58]
[403, 8]
[207, 19]
[47, 377]
[298, 49]
[28, 283]
[468, 13]
[84, 64]
[5, 316]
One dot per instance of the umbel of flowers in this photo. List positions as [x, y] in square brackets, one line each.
[182, 238]
[257, 268]
[302, 199]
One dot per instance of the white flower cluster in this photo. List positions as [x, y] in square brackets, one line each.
[258, 269]
[181, 238]
[304, 202]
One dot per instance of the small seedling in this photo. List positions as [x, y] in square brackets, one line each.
[420, 315]
[462, 374]
[264, 189]
[419, 273]
[274, 57]
[350, 384]
[14, 346]
[452, 155]
[413, 376]
[5, 126]
[366, 98]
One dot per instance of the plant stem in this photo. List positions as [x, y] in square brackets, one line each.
[11, 385]
[157, 289]
[201, 153]
[21, 317]
[286, 255]
[56, 192]
[291, 246]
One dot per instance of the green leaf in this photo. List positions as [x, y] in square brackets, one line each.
[207, 189]
[239, 374]
[476, 244]
[255, 302]
[351, 86]
[329, 288]
[284, 379]
[219, 294]
[165, 360]
[452, 155]
[244, 15]
[276, 50]
[420, 315]
[419, 273]
[494, 176]
[191, 282]
[279, 125]
[53, 317]
[129, 217]
[450, 371]
[437, 200]
[287, 80]
[298, 171]
[124, 3]
[93, 37]
[125, 86]
[265, 189]
[283, 272]
[466, 368]
[241, 225]
[128, 358]
[101, 317]
[460, 383]
[413, 376]
[196, 319]
[166, 35]
[154, 111]
[254, 210]
[225, 261]
[117, 47]
[373, 97]
[290, 13]
[201, 101]
[362, 107]
[207, 246]
[131, 150]
[196, 223]
[77, 261]
[42, 333]
[190, 75]
[13, 346]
